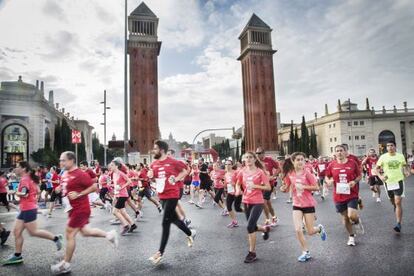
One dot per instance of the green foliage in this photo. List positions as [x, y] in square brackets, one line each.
[45, 156]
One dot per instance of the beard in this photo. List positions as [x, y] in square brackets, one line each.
[157, 155]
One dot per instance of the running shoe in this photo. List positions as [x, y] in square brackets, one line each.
[60, 268]
[378, 200]
[190, 202]
[4, 236]
[159, 209]
[190, 239]
[198, 205]
[304, 257]
[112, 237]
[59, 242]
[12, 259]
[187, 221]
[137, 213]
[274, 197]
[132, 228]
[266, 233]
[115, 221]
[49, 215]
[125, 230]
[156, 259]
[397, 227]
[224, 213]
[351, 241]
[289, 200]
[250, 258]
[233, 224]
[359, 227]
[275, 221]
[322, 232]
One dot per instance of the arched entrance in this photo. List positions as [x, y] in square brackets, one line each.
[14, 145]
[383, 138]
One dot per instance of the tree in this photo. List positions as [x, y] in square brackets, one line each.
[313, 142]
[45, 156]
[243, 146]
[97, 149]
[237, 150]
[304, 137]
[291, 144]
[296, 145]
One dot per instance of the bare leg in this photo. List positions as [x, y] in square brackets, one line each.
[252, 242]
[87, 231]
[398, 208]
[18, 235]
[126, 216]
[297, 221]
[33, 231]
[118, 215]
[70, 243]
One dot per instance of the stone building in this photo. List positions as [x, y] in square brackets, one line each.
[256, 57]
[143, 50]
[27, 121]
[361, 129]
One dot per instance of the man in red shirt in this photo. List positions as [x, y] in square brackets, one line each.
[167, 173]
[77, 185]
[370, 163]
[344, 174]
[272, 169]
[358, 162]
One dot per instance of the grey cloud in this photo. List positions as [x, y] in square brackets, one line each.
[52, 9]
[60, 45]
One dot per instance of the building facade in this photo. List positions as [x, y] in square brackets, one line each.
[27, 121]
[361, 129]
[143, 50]
[258, 85]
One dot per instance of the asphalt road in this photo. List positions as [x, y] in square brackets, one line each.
[221, 251]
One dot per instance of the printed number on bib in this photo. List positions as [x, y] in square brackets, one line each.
[343, 188]
[160, 184]
[230, 188]
[393, 186]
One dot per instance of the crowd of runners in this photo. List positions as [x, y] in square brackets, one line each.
[235, 186]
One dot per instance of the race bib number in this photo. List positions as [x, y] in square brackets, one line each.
[249, 184]
[230, 188]
[299, 188]
[343, 188]
[321, 168]
[160, 184]
[393, 186]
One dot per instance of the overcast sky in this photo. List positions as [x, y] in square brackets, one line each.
[325, 50]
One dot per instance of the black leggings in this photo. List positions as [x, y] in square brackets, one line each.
[219, 193]
[237, 202]
[253, 212]
[3, 199]
[102, 194]
[170, 216]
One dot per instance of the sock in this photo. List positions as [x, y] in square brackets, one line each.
[17, 254]
[56, 238]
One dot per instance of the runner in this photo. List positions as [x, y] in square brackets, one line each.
[254, 181]
[27, 219]
[217, 175]
[77, 185]
[145, 189]
[104, 181]
[230, 179]
[395, 170]
[205, 183]
[373, 179]
[121, 183]
[195, 182]
[3, 193]
[345, 174]
[302, 184]
[55, 193]
[272, 168]
[167, 172]
[356, 160]
[320, 170]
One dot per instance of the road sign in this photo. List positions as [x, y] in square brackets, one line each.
[76, 136]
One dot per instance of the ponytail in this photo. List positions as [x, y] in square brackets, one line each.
[287, 166]
[24, 165]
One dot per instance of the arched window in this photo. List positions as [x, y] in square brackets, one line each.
[15, 145]
[384, 137]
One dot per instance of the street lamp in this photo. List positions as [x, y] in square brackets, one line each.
[104, 124]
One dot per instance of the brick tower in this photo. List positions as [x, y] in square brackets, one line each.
[143, 50]
[258, 85]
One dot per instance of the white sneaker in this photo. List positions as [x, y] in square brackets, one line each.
[351, 241]
[112, 237]
[156, 259]
[190, 239]
[60, 268]
[378, 199]
[115, 221]
[190, 202]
